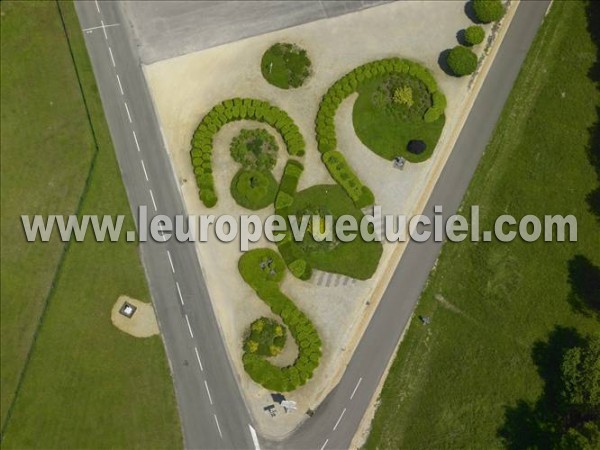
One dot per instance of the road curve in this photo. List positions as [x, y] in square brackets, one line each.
[211, 407]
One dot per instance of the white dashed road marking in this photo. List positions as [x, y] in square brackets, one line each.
[208, 392]
[104, 29]
[136, 141]
[198, 358]
[340, 419]
[112, 58]
[171, 261]
[153, 202]
[120, 85]
[144, 167]
[324, 444]
[97, 7]
[128, 113]
[181, 300]
[356, 388]
[218, 427]
[189, 326]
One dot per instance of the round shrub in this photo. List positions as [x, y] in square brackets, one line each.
[266, 337]
[474, 35]
[462, 61]
[488, 11]
[285, 65]
[254, 149]
[253, 189]
[416, 147]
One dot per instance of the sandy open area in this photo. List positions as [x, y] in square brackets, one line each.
[186, 87]
[143, 322]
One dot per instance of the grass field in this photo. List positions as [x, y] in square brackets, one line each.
[85, 384]
[456, 383]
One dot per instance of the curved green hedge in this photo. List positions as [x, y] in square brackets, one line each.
[230, 111]
[263, 269]
[345, 86]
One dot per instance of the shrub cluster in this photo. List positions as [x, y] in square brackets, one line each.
[292, 255]
[343, 175]
[474, 35]
[285, 65]
[342, 88]
[253, 189]
[488, 11]
[254, 149]
[263, 269]
[462, 61]
[229, 111]
[266, 337]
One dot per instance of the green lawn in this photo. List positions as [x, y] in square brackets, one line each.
[285, 65]
[387, 134]
[494, 307]
[86, 384]
[357, 259]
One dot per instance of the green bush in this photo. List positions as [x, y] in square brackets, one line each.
[344, 176]
[254, 149]
[253, 189]
[265, 337]
[285, 65]
[474, 35]
[263, 269]
[488, 11]
[462, 61]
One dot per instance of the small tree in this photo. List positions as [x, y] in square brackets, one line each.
[580, 371]
[474, 35]
[462, 61]
[488, 11]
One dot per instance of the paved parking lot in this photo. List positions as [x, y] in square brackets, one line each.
[164, 29]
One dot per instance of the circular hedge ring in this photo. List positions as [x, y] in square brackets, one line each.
[285, 65]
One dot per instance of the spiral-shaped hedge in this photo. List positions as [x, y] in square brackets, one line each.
[230, 111]
[263, 269]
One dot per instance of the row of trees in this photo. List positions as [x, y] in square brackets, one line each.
[263, 269]
[228, 111]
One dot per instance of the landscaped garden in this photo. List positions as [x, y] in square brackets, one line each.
[399, 112]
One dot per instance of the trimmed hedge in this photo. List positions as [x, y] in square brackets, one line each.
[292, 255]
[474, 35]
[462, 61]
[265, 337]
[341, 89]
[488, 11]
[228, 111]
[263, 269]
[253, 189]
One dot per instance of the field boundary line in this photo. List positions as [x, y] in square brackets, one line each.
[67, 245]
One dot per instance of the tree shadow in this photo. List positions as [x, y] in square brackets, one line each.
[443, 63]
[470, 12]
[584, 278]
[593, 27]
[540, 424]
[461, 37]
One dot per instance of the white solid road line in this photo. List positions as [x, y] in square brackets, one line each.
[104, 29]
[189, 326]
[136, 141]
[198, 358]
[128, 114]
[218, 427]
[181, 300]
[340, 419]
[171, 262]
[112, 58]
[153, 202]
[208, 392]
[355, 388]
[254, 437]
[120, 85]
[324, 444]
[144, 167]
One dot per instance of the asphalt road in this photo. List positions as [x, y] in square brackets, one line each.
[220, 419]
